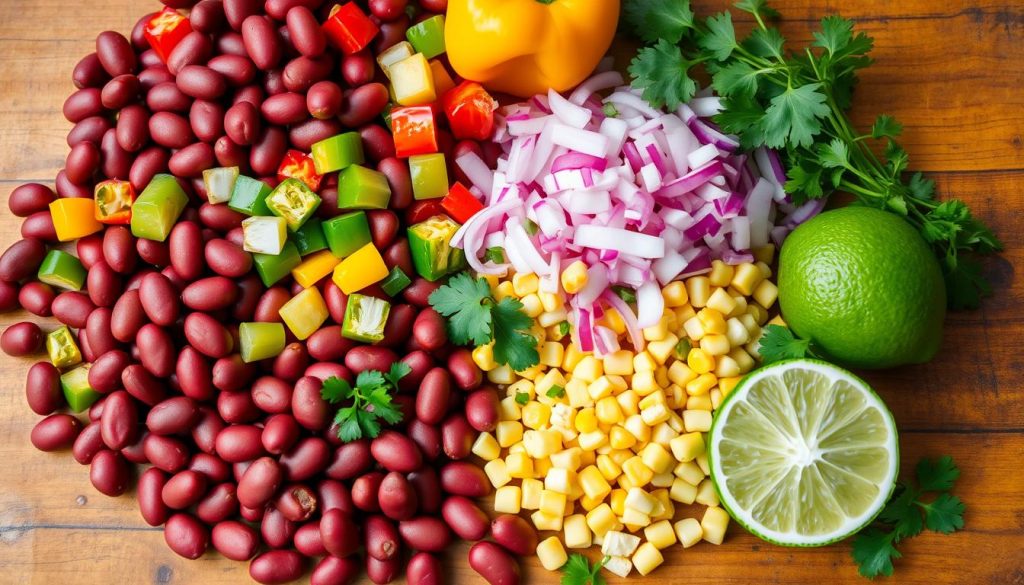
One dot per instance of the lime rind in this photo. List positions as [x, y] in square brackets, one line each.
[845, 489]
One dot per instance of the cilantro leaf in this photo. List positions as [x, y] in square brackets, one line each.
[765, 42]
[965, 285]
[369, 379]
[873, 551]
[834, 154]
[335, 390]
[464, 300]
[738, 79]
[398, 371]
[511, 345]
[779, 343]
[945, 514]
[720, 38]
[758, 8]
[652, 20]
[662, 72]
[920, 187]
[897, 158]
[371, 402]
[793, 116]
[886, 126]
[577, 571]
[835, 34]
[937, 475]
[804, 182]
[901, 513]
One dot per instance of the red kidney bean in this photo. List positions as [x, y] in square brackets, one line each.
[186, 536]
[138, 34]
[207, 335]
[398, 327]
[366, 357]
[166, 453]
[308, 406]
[120, 91]
[308, 542]
[297, 503]
[8, 297]
[201, 82]
[170, 130]
[272, 395]
[89, 72]
[420, 363]
[115, 53]
[495, 565]
[207, 119]
[55, 432]
[213, 468]
[154, 75]
[284, 109]
[457, 436]
[83, 104]
[148, 491]
[428, 490]
[350, 460]
[184, 489]
[425, 533]
[464, 370]
[105, 374]
[461, 478]
[186, 249]
[237, 407]
[364, 491]
[363, 104]
[482, 409]
[36, 298]
[251, 514]
[358, 69]
[134, 453]
[429, 330]
[305, 31]
[302, 72]
[273, 82]
[208, 17]
[327, 344]
[336, 300]
[382, 572]
[39, 226]
[210, 294]
[172, 416]
[206, 429]
[278, 9]
[147, 164]
[324, 99]
[133, 128]
[260, 482]
[427, 438]
[388, 10]
[234, 540]
[267, 310]
[30, 198]
[276, 530]
[155, 347]
[396, 497]
[230, 43]
[192, 160]
[88, 130]
[82, 163]
[277, 566]
[152, 252]
[109, 473]
[127, 316]
[268, 151]
[290, 364]
[227, 259]
[333, 494]
[238, 70]
[433, 396]
[424, 569]
[230, 154]
[103, 284]
[219, 504]
[418, 293]
[309, 457]
[381, 538]
[515, 534]
[261, 42]
[42, 388]
[377, 142]
[194, 49]
[339, 534]
[142, 385]
[22, 259]
[239, 443]
[242, 123]
[396, 452]
[304, 135]
[231, 373]
[465, 518]
[116, 161]
[384, 227]
[391, 33]
[21, 339]
[159, 299]
[119, 423]
[90, 250]
[220, 218]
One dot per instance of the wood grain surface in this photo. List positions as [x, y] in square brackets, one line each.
[952, 72]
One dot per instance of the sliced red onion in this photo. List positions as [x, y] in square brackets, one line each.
[567, 112]
[625, 98]
[585, 329]
[804, 213]
[650, 304]
[706, 107]
[576, 160]
[758, 204]
[615, 130]
[628, 318]
[691, 181]
[476, 171]
[732, 258]
[519, 240]
[528, 126]
[706, 225]
[593, 236]
[579, 140]
[597, 282]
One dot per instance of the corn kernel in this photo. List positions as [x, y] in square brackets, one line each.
[541, 444]
[675, 294]
[593, 483]
[574, 277]
[602, 520]
[742, 359]
[635, 520]
[525, 283]
[689, 531]
[721, 273]
[699, 289]
[552, 318]
[684, 313]
[727, 367]
[608, 467]
[716, 397]
[693, 328]
[600, 388]
[656, 457]
[544, 521]
[658, 413]
[569, 459]
[588, 369]
[699, 402]
[508, 433]
[759, 313]
[660, 534]
[509, 409]
[617, 499]
[663, 348]
[715, 345]
[682, 491]
[663, 480]
[504, 290]
[637, 471]
[690, 472]
[577, 533]
[588, 503]
[706, 494]
[558, 481]
[766, 294]
[501, 375]
[552, 502]
[608, 410]
[639, 500]
[619, 363]
[638, 428]
[697, 420]
[592, 440]
[620, 438]
[619, 544]
[644, 362]
[700, 361]
[551, 553]
[586, 420]
[726, 385]
[508, 499]
[657, 331]
[551, 354]
[519, 465]
[531, 305]
[721, 301]
[687, 447]
[702, 462]
[483, 357]
[712, 321]
[613, 320]
[572, 357]
[497, 472]
[531, 489]
[746, 278]
[663, 434]
[550, 302]
[661, 377]
[536, 415]
[486, 447]
[714, 524]
[647, 558]
[702, 384]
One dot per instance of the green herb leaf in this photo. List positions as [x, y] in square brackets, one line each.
[522, 398]
[625, 293]
[577, 571]
[609, 110]
[836, 33]
[512, 344]
[738, 79]
[555, 391]
[920, 187]
[834, 154]
[371, 401]
[873, 552]
[937, 475]
[662, 72]
[758, 8]
[495, 254]
[563, 328]
[720, 38]
[765, 42]
[886, 127]
[779, 343]
[335, 390]
[793, 116]
[398, 371]
[945, 514]
[652, 20]
[466, 302]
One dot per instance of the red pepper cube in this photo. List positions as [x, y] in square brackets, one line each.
[299, 165]
[460, 204]
[470, 111]
[114, 200]
[349, 28]
[414, 129]
[165, 30]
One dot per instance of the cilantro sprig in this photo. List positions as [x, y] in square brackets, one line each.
[577, 571]
[796, 102]
[476, 317]
[907, 514]
[780, 343]
[370, 401]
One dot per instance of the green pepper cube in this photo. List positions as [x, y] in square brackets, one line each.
[260, 341]
[427, 36]
[249, 196]
[293, 201]
[274, 267]
[62, 270]
[337, 152]
[77, 391]
[396, 281]
[365, 318]
[220, 184]
[363, 188]
[157, 209]
[347, 233]
[62, 348]
[264, 235]
[429, 174]
[430, 246]
[310, 237]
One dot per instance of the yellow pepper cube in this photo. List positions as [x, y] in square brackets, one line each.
[551, 553]
[577, 533]
[687, 447]
[657, 458]
[314, 268]
[508, 499]
[544, 521]
[689, 532]
[497, 472]
[508, 433]
[412, 81]
[305, 313]
[486, 447]
[74, 218]
[442, 79]
[552, 502]
[602, 520]
[531, 489]
[647, 558]
[637, 471]
[594, 483]
[706, 494]
[697, 420]
[660, 534]
[714, 524]
[362, 268]
[682, 491]
[536, 415]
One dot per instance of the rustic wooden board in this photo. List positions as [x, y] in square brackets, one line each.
[950, 71]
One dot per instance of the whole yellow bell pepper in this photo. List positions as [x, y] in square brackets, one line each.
[524, 47]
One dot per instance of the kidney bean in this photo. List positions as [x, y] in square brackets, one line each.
[206, 429]
[213, 468]
[210, 294]
[304, 135]
[382, 572]
[135, 453]
[383, 227]
[159, 299]
[396, 452]
[109, 473]
[39, 226]
[22, 259]
[226, 258]
[208, 17]
[308, 542]
[336, 301]
[149, 493]
[457, 436]
[201, 82]
[36, 298]
[272, 395]
[364, 491]
[166, 453]
[276, 530]
[297, 503]
[103, 284]
[377, 142]
[89, 72]
[172, 416]
[308, 406]
[482, 409]
[90, 250]
[260, 481]
[425, 533]
[207, 335]
[105, 374]
[116, 161]
[418, 293]
[398, 327]
[495, 565]
[461, 478]
[185, 245]
[391, 33]
[420, 363]
[464, 370]
[118, 425]
[115, 53]
[358, 69]
[433, 396]
[194, 49]
[186, 536]
[427, 438]
[192, 160]
[83, 104]
[231, 373]
[324, 99]
[381, 538]
[465, 518]
[82, 162]
[267, 310]
[396, 497]
[152, 252]
[55, 432]
[302, 72]
[184, 489]
[366, 357]
[242, 123]
[21, 339]
[42, 388]
[339, 534]
[90, 129]
[238, 70]
[170, 130]
[235, 540]
[261, 42]
[220, 218]
[309, 457]
[30, 198]
[133, 128]
[251, 514]
[207, 119]
[277, 566]
[219, 504]
[304, 29]
[239, 443]
[120, 91]
[327, 344]
[268, 151]
[127, 316]
[142, 385]
[237, 407]
[290, 364]
[284, 108]
[154, 75]
[363, 104]
[424, 569]
[515, 534]
[8, 297]
[155, 347]
[147, 164]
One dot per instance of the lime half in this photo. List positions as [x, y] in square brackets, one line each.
[803, 453]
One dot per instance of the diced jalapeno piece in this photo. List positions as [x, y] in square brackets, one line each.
[264, 235]
[427, 36]
[347, 233]
[396, 281]
[157, 208]
[430, 245]
[62, 348]
[363, 188]
[77, 391]
[273, 268]
[429, 174]
[220, 184]
[337, 152]
[249, 196]
[365, 318]
[305, 313]
[114, 200]
[362, 268]
[293, 201]
[260, 341]
[62, 270]
[393, 55]
[310, 237]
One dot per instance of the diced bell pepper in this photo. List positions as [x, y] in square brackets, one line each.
[430, 245]
[293, 201]
[62, 270]
[114, 200]
[74, 218]
[249, 197]
[427, 36]
[349, 28]
[396, 281]
[363, 188]
[365, 318]
[259, 341]
[157, 209]
[414, 130]
[62, 348]
[443, 81]
[460, 204]
[304, 313]
[299, 165]
[77, 391]
[470, 111]
[310, 237]
[264, 235]
[273, 268]
[337, 152]
[412, 81]
[347, 233]
[314, 268]
[362, 268]
[220, 184]
[429, 173]
[393, 55]
[165, 30]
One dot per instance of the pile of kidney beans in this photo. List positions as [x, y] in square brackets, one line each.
[245, 457]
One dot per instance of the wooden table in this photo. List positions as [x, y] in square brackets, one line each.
[951, 72]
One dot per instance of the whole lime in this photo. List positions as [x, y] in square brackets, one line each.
[864, 287]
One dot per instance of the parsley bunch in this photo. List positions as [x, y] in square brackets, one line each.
[907, 514]
[474, 316]
[370, 401]
[796, 102]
